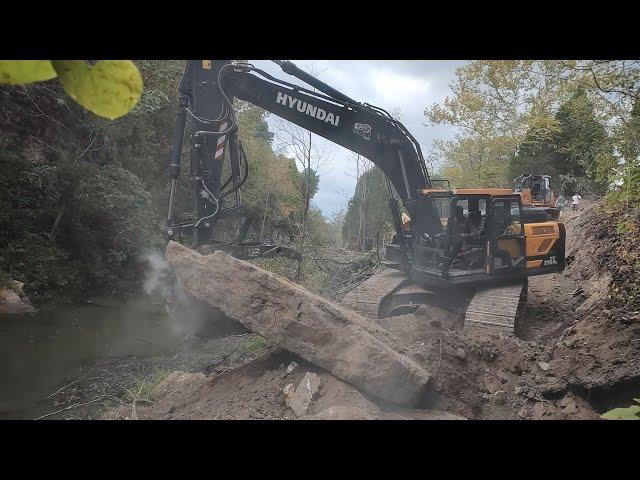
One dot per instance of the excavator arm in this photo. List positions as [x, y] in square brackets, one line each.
[208, 90]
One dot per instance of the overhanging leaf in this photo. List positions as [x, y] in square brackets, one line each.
[110, 88]
[630, 413]
[18, 72]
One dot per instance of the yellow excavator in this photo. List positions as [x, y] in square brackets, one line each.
[536, 192]
[485, 240]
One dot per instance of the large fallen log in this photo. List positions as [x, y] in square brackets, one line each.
[329, 336]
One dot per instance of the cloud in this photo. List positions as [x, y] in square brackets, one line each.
[407, 85]
[395, 87]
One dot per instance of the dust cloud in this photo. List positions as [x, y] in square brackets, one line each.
[189, 316]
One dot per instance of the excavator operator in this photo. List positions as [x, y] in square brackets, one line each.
[461, 229]
[475, 220]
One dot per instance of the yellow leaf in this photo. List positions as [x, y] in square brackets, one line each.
[110, 88]
[18, 72]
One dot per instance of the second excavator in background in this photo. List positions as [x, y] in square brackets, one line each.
[481, 239]
[536, 192]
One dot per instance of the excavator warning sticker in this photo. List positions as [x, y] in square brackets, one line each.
[362, 129]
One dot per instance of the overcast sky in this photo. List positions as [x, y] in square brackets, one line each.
[407, 85]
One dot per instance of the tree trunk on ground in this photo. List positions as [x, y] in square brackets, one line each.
[327, 335]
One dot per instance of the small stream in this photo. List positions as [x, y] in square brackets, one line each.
[38, 352]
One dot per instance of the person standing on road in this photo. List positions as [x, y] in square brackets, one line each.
[561, 202]
[575, 201]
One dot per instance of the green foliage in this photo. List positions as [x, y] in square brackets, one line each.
[629, 413]
[310, 178]
[582, 141]
[476, 161]
[572, 146]
[18, 72]
[28, 197]
[538, 151]
[499, 98]
[110, 88]
[538, 117]
[255, 345]
[81, 197]
[69, 227]
[625, 226]
[275, 188]
[327, 271]
[375, 210]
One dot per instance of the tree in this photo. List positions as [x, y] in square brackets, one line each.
[538, 153]
[311, 156]
[376, 224]
[583, 144]
[499, 98]
[494, 104]
[475, 161]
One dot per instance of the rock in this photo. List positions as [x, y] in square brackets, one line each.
[539, 410]
[300, 399]
[500, 397]
[544, 366]
[460, 353]
[491, 383]
[292, 366]
[330, 336]
[288, 392]
[569, 404]
[14, 300]
[340, 412]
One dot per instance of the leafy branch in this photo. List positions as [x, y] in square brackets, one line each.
[109, 88]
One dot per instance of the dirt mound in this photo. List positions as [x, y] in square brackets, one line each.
[255, 391]
[578, 354]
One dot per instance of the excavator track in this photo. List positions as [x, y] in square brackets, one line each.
[366, 298]
[495, 309]
[491, 309]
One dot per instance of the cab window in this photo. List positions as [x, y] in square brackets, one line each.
[506, 215]
[443, 207]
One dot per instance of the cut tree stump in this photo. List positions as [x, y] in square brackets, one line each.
[323, 333]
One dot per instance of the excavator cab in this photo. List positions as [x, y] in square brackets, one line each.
[484, 235]
[536, 192]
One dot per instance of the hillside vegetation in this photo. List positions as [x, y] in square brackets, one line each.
[81, 197]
